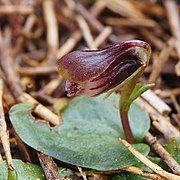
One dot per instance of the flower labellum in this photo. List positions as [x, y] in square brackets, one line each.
[93, 72]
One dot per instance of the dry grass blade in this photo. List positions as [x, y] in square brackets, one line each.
[49, 88]
[36, 71]
[152, 38]
[7, 63]
[159, 121]
[86, 32]
[41, 110]
[124, 8]
[101, 38]
[176, 118]
[52, 30]
[165, 93]
[69, 44]
[97, 7]
[27, 33]
[83, 25]
[148, 163]
[129, 22]
[89, 17]
[12, 9]
[23, 149]
[77, 35]
[3, 131]
[141, 172]
[92, 20]
[175, 102]
[15, 85]
[156, 102]
[161, 61]
[174, 21]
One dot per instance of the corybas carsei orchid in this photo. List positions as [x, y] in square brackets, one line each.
[93, 72]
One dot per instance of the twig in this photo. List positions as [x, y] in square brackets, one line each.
[12, 9]
[41, 110]
[141, 172]
[158, 148]
[49, 167]
[3, 131]
[156, 102]
[148, 163]
[160, 122]
[52, 30]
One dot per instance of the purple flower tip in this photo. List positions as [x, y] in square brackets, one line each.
[93, 72]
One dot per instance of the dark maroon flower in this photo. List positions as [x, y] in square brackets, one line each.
[92, 72]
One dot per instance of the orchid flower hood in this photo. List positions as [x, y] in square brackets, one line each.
[93, 72]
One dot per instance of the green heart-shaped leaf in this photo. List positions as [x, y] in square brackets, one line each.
[27, 171]
[22, 171]
[89, 135]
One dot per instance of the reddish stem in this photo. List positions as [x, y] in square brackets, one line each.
[126, 127]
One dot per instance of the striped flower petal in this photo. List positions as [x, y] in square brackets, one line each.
[93, 72]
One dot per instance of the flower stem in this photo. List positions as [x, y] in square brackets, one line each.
[126, 127]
